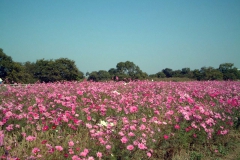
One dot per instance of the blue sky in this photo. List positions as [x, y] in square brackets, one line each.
[97, 34]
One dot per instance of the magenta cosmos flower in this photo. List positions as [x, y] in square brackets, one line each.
[59, 148]
[130, 147]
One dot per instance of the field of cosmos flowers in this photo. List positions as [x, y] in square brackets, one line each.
[119, 121]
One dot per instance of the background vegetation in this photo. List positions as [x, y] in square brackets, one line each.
[64, 69]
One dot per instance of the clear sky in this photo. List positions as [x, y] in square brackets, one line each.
[97, 34]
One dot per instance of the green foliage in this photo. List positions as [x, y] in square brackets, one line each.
[57, 70]
[43, 70]
[177, 73]
[168, 72]
[112, 71]
[99, 76]
[195, 156]
[125, 71]
[160, 75]
[6, 64]
[29, 68]
[12, 72]
[18, 74]
[209, 73]
[129, 70]
[229, 71]
[64, 69]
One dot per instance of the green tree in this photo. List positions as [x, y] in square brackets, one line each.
[6, 64]
[10, 71]
[197, 74]
[58, 70]
[225, 67]
[103, 75]
[30, 68]
[68, 70]
[112, 71]
[229, 71]
[99, 76]
[153, 75]
[168, 72]
[18, 74]
[160, 75]
[126, 70]
[186, 72]
[209, 73]
[176, 73]
[93, 76]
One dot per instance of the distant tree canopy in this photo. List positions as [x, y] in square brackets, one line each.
[124, 71]
[11, 71]
[64, 69]
[56, 70]
[43, 70]
[229, 71]
[6, 64]
[99, 76]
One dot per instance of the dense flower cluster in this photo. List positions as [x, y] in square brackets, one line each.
[95, 120]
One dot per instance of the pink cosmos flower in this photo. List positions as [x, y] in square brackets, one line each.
[51, 150]
[142, 127]
[45, 128]
[141, 146]
[166, 137]
[144, 135]
[70, 150]
[89, 118]
[99, 154]
[131, 134]
[88, 125]
[144, 120]
[59, 148]
[35, 150]
[133, 128]
[75, 157]
[9, 127]
[133, 109]
[121, 133]
[108, 147]
[30, 138]
[80, 93]
[177, 126]
[71, 143]
[90, 158]
[130, 147]
[224, 132]
[84, 153]
[124, 139]
[8, 114]
[149, 154]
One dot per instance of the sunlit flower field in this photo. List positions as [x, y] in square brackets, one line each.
[119, 121]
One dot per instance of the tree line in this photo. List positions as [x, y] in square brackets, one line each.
[64, 69]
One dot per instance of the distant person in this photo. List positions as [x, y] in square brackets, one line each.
[1, 80]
